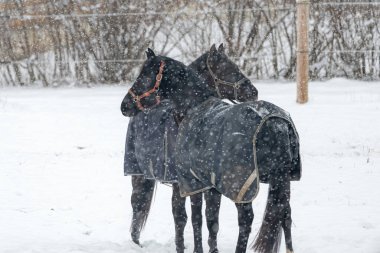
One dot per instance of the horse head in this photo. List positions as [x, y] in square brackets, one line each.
[223, 76]
[164, 78]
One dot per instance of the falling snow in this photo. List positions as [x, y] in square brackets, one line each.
[62, 187]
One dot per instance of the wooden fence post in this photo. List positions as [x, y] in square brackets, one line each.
[302, 50]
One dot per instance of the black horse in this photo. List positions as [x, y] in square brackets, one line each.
[210, 137]
[226, 81]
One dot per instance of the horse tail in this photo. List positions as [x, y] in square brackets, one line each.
[142, 197]
[147, 206]
[277, 212]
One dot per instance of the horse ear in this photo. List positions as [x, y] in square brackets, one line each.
[150, 53]
[221, 48]
[213, 49]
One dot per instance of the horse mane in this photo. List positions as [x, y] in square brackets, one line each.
[199, 64]
[183, 85]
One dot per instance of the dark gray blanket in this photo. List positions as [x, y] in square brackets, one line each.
[219, 135]
[149, 148]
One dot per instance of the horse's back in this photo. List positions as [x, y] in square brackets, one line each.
[216, 147]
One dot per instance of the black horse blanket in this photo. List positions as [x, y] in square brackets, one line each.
[216, 148]
[150, 143]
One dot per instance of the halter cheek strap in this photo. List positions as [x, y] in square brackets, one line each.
[155, 89]
[217, 81]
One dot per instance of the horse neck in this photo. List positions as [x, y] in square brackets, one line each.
[200, 68]
[189, 91]
[199, 65]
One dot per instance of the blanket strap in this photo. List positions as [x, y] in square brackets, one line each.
[246, 186]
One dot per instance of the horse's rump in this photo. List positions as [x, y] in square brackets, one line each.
[216, 147]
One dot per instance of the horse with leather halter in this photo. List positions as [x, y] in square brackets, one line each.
[231, 84]
[228, 148]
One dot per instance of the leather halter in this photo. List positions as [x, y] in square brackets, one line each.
[217, 81]
[156, 87]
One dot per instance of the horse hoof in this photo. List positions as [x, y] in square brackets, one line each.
[214, 251]
[180, 249]
[137, 242]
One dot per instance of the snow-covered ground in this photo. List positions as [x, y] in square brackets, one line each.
[62, 187]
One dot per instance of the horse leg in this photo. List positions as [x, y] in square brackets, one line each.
[213, 198]
[141, 199]
[180, 218]
[286, 225]
[287, 222]
[196, 219]
[245, 218]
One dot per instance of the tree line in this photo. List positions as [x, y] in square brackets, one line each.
[52, 43]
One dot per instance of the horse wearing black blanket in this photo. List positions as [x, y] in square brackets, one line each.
[150, 144]
[264, 135]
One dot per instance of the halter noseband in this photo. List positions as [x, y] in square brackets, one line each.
[217, 81]
[156, 87]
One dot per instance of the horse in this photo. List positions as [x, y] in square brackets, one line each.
[231, 85]
[228, 148]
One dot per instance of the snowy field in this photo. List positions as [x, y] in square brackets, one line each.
[62, 188]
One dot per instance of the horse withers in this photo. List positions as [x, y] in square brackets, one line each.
[268, 143]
